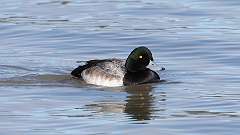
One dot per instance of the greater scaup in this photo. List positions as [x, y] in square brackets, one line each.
[116, 72]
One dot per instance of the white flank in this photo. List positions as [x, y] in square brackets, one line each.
[101, 80]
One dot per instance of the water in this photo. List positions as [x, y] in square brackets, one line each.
[197, 41]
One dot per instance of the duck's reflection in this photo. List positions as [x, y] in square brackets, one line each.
[140, 103]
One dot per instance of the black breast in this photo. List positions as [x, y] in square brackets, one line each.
[146, 76]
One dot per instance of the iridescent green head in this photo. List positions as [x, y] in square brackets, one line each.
[138, 59]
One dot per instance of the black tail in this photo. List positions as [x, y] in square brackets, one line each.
[77, 71]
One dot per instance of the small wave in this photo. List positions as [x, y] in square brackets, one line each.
[15, 67]
[64, 80]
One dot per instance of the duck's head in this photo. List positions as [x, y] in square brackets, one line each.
[138, 59]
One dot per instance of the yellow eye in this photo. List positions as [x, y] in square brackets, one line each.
[140, 56]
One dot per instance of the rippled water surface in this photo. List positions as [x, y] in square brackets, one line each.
[197, 41]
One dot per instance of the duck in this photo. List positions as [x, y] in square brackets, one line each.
[115, 72]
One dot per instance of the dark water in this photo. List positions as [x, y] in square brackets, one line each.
[197, 41]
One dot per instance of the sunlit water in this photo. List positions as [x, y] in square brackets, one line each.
[197, 41]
